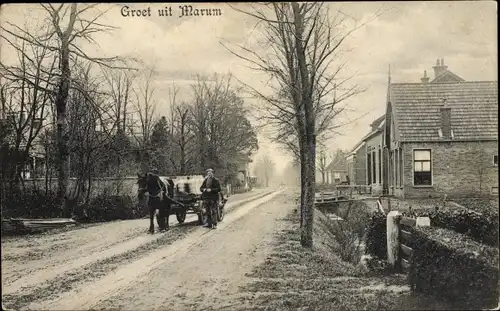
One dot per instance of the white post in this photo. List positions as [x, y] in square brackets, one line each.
[423, 222]
[392, 237]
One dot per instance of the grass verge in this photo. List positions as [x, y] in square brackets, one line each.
[295, 278]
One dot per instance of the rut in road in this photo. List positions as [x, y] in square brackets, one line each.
[97, 243]
[184, 261]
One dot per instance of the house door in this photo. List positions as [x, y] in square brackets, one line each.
[386, 168]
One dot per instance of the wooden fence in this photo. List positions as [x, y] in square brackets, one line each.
[399, 236]
[405, 252]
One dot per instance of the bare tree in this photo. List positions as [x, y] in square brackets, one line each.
[145, 105]
[306, 41]
[265, 168]
[89, 130]
[64, 41]
[183, 138]
[322, 162]
[225, 137]
[181, 134]
[120, 85]
[26, 99]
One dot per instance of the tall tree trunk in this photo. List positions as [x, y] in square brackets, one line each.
[303, 178]
[62, 139]
[310, 139]
[60, 103]
[306, 238]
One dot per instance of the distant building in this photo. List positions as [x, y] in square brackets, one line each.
[336, 171]
[374, 156]
[356, 164]
[364, 162]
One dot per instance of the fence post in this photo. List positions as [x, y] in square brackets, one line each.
[423, 222]
[393, 237]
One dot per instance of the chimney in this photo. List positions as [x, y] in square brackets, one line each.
[425, 79]
[446, 120]
[439, 68]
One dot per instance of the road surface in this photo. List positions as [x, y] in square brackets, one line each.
[118, 266]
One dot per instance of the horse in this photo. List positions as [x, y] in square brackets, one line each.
[157, 200]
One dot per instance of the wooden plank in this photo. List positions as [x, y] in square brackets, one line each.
[406, 250]
[405, 264]
[404, 236]
[407, 221]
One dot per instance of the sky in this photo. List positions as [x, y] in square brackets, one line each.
[407, 36]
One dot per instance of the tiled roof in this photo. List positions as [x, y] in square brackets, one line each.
[356, 148]
[447, 77]
[338, 163]
[375, 124]
[474, 109]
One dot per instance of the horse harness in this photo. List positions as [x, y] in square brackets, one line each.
[159, 194]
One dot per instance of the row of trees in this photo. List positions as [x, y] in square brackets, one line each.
[302, 57]
[89, 117]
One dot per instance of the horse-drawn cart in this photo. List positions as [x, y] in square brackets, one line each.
[187, 191]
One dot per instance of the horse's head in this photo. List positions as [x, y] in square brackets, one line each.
[142, 183]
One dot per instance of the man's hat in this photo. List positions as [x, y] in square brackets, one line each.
[210, 170]
[155, 171]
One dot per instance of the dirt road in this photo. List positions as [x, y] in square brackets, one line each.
[99, 271]
[31, 263]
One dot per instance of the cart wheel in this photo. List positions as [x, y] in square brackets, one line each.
[220, 213]
[181, 217]
[202, 218]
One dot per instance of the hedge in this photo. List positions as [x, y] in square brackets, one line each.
[36, 204]
[108, 208]
[376, 236]
[31, 203]
[454, 266]
[482, 227]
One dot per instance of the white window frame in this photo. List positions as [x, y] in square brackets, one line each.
[413, 167]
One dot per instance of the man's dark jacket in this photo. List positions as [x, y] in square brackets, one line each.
[214, 189]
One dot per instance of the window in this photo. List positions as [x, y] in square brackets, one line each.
[422, 172]
[369, 169]
[396, 168]
[495, 160]
[400, 167]
[379, 166]
[374, 167]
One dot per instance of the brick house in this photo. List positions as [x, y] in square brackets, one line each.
[441, 137]
[374, 152]
[364, 162]
[356, 164]
[337, 169]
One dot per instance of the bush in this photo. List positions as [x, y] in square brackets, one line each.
[376, 236]
[452, 265]
[108, 208]
[31, 203]
[349, 233]
[482, 227]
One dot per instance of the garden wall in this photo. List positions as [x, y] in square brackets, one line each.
[456, 258]
[451, 265]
